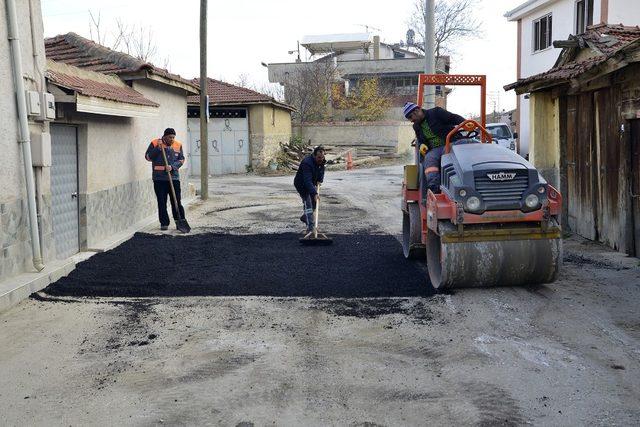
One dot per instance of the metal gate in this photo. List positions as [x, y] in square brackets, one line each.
[228, 145]
[64, 189]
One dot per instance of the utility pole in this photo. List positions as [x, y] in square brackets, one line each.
[429, 55]
[204, 107]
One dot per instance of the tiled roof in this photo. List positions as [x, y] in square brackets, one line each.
[99, 89]
[609, 39]
[221, 93]
[75, 50]
[604, 40]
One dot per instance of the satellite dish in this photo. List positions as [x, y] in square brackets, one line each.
[411, 37]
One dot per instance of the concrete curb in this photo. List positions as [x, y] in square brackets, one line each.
[18, 288]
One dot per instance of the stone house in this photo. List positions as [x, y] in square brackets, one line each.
[585, 132]
[109, 105]
[92, 113]
[245, 128]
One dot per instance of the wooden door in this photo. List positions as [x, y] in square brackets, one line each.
[581, 197]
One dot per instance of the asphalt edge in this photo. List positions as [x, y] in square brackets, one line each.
[18, 288]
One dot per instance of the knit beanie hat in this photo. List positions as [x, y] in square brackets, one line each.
[408, 108]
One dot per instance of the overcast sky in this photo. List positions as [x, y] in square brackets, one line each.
[244, 33]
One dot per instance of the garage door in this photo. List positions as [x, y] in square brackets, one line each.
[228, 145]
[64, 189]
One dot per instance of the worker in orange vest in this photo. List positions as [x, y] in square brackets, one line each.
[161, 172]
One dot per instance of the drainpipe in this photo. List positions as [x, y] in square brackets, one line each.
[38, 170]
[24, 137]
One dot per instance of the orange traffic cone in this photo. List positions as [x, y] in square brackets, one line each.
[349, 161]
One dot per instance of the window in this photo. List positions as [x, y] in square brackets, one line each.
[401, 85]
[584, 15]
[542, 33]
[499, 131]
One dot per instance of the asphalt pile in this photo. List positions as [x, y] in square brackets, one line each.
[212, 264]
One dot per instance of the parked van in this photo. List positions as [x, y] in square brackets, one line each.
[502, 135]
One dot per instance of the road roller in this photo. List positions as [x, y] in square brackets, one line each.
[495, 221]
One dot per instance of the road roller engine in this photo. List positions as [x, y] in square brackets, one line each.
[495, 221]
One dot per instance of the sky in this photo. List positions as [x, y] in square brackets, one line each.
[244, 33]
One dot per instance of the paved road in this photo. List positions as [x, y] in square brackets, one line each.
[562, 354]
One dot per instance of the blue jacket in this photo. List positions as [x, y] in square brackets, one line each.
[175, 158]
[308, 176]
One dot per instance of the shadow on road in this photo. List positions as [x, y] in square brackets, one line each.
[358, 265]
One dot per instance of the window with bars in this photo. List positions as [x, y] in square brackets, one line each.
[584, 15]
[542, 33]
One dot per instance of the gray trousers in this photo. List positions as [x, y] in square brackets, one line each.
[430, 176]
[308, 206]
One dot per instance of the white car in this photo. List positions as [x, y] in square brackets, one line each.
[502, 135]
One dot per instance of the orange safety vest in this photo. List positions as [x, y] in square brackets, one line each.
[176, 146]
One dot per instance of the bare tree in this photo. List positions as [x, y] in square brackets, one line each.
[274, 90]
[95, 27]
[144, 46]
[243, 81]
[133, 40]
[308, 89]
[454, 21]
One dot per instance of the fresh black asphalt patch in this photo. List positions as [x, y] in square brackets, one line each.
[357, 265]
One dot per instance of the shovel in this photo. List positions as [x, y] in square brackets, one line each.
[181, 223]
[314, 237]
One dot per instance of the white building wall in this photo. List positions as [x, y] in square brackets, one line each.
[386, 52]
[172, 114]
[597, 11]
[537, 62]
[122, 141]
[15, 246]
[116, 190]
[540, 61]
[625, 12]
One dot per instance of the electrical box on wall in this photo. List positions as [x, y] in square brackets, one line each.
[48, 106]
[41, 149]
[33, 103]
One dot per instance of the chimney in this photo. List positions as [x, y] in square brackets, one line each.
[376, 47]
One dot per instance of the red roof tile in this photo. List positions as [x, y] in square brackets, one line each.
[75, 50]
[603, 39]
[610, 38]
[221, 93]
[102, 90]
